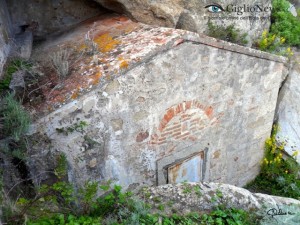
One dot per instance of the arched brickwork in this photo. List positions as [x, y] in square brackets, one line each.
[184, 121]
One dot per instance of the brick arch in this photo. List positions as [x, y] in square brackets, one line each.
[184, 121]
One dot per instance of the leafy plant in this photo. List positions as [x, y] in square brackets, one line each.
[284, 24]
[274, 44]
[229, 33]
[79, 127]
[278, 176]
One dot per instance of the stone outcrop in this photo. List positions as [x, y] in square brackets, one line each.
[192, 15]
[296, 3]
[288, 108]
[202, 197]
[156, 100]
[5, 34]
[47, 17]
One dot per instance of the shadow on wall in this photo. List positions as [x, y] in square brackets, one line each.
[47, 17]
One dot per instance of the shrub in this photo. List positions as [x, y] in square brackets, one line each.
[274, 44]
[284, 24]
[61, 204]
[15, 120]
[60, 62]
[278, 176]
[229, 33]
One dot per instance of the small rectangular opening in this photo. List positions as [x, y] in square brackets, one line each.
[188, 169]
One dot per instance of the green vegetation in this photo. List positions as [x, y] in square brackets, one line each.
[61, 203]
[11, 68]
[229, 33]
[15, 120]
[14, 123]
[278, 176]
[274, 44]
[79, 127]
[60, 63]
[284, 31]
[284, 24]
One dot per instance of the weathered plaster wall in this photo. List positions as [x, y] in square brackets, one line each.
[188, 99]
[5, 34]
[46, 17]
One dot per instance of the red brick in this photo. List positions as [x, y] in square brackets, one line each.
[142, 136]
[162, 139]
[154, 137]
[188, 105]
[176, 134]
[179, 108]
[183, 136]
[161, 143]
[169, 115]
[186, 116]
[172, 128]
[209, 111]
[166, 134]
[197, 120]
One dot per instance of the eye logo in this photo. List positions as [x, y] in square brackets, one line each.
[214, 8]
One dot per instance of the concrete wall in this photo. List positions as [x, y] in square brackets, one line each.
[194, 97]
[5, 34]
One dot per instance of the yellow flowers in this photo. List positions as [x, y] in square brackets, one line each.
[266, 161]
[274, 44]
[264, 34]
[295, 154]
[289, 52]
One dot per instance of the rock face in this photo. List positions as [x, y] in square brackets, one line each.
[46, 17]
[202, 197]
[296, 3]
[193, 16]
[5, 34]
[159, 105]
[288, 108]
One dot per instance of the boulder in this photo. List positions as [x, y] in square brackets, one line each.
[184, 198]
[5, 35]
[296, 3]
[193, 15]
[22, 47]
[17, 83]
[288, 109]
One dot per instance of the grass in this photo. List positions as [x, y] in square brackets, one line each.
[12, 67]
[229, 33]
[15, 120]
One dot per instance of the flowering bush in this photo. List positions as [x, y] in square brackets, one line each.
[274, 44]
[279, 174]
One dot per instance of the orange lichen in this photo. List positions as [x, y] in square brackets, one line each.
[96, 78]
[106, 42]
[124, 64]
[75, 95]
[82, 47]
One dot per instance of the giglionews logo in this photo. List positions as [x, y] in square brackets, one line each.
[239, 9]
[214, 8]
